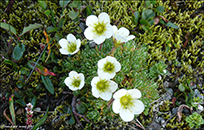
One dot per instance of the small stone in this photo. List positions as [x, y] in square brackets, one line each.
[154, 126]
[166, 84]
[174, 110]
[92, 44]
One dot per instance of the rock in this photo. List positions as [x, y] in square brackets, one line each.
[174, 110]
[154, 126]
[166, 84]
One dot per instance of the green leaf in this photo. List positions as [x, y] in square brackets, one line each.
[145, 28]
[72, 14]
[81, 107]
[11, 108]
[9, 62]
[147, 14]
[63, 3]
[21, 102]
[145, 22]
[71, 120]
[51, 29]
[153, 2]
[76, 4]
[41, 121]
[88, 10]
[24, 71]
[182, 88]
[48, 84]
[42, 4]
[20, 84]
[47, 12]
[30, 27]
[58, 36]
[18, 51]
[136, 16]
[147, 3]
[170, 24]
[162, 22]
[8, 27]
[33, 101]
[61, 23]
[160, 9]
[18, 94]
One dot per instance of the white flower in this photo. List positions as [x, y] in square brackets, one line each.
[164, 71]
[69, 45]
[75, 81]
[103, 87]
[98, 28]
[108, 66]
[121, 35]
[126, 103]
[29, 105]
[200, 108]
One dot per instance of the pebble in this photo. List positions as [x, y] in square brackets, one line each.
[174, 110]
[166, 84]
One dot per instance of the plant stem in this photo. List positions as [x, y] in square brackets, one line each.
[37, 61]
[100, 46]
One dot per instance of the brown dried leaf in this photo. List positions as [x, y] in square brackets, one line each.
[180, 109]
[165, 20]
[156, 20]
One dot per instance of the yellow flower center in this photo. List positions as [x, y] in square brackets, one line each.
[108, 67]
[126, 101]
[76, 82]
[71, 47]
[100, 28]
[102, 85]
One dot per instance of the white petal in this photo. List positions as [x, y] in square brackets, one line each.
[73, 74]
[116, 106]
[81, 85]
[110, 75]
[95, 92]
[104, 17]
[106, 96]
[81, 76]
[117, 66]
[119, 93]
[99, 39]
[138, 107]
[91, 20]
[63, 43]
[111, 59]
[109, 31]
[78, 42]
[130, 37]
[63, 51]
[103, 77]
[135, 93]
[94, 81]
[120, 39]
[115, 29]
[113, 86]
[123, 32]
[68, 81]
[71, 38]
[73, 88]
[89, 33]
[126, 115]
[101, 63]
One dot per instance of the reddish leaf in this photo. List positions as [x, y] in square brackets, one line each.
[40, 69]
[47, 41]
[174, 101]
